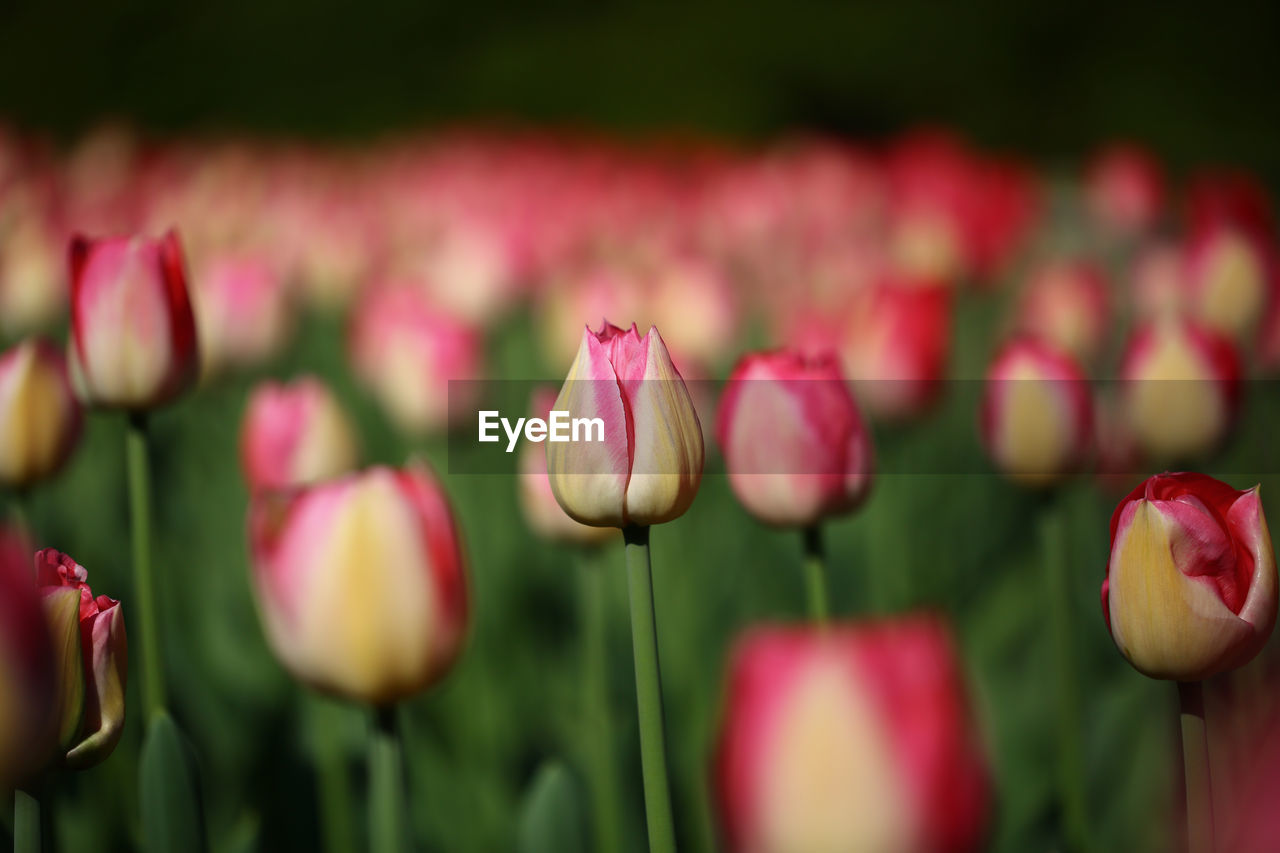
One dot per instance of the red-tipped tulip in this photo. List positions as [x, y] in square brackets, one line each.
[1191, 583]
[133, 336]
[1229, 279]
[1067, 305]
[850, 738]
[39, 415]
[794, 444]
[361, 583]
[294, 435]
[1125, 189]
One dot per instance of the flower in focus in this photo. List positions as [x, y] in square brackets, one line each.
[1067, 305]
[794, 444]
[39, 416]
[133, 336]
[649, 465]
[91, 660]
[407, 353]
[1229, 280]
[856, 737]
[1037, 413]
[27, 688]
[1180, 387]
[295, 434]
[1124, 188]
[1191, 582]
[242, 310]
[361, 582]
[538, 502]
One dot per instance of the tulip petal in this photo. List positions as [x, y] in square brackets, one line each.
[106, 650]
[62, 609]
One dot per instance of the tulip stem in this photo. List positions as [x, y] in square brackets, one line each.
[144, 582]
[1053, 536]
[26, 822]
[331, 770]
[653, 739]
[599, 719]
[815, 573]
[387, 825]
[1195, 758]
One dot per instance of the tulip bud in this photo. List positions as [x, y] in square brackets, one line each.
[91, 660]
[32, 282]
[1037, 413]
[1125, 189]
[1229, 280]
[360, 583]
[295, 435]
[794, 444]
[133, 338]
[649, 465]
[27, 688]
[1191, 583]
[39, 415]
[242, 312]
[856, 737]
[537, 501]
[1180, 388]
[1066, 305]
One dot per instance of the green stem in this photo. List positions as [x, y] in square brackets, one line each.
[143, 581]
[331, 772]
[1195, 757]
[653, 739]
[387, 824]
[595, 617]
[815, 574]
[1053, 542]
[26, 822]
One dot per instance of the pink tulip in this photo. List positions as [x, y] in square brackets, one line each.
[1158, 281]
[1124, 188]
[39, 416]
[856, 737]
[1230, 278]
[28, 693]
[33, 291]
[361, 583]
[243, 312]
[1067, 305]
[1190, 590]
[794, 443]
[295, 435]
[133, 337]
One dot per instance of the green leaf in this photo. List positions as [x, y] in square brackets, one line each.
[172, 814]
[552, 818]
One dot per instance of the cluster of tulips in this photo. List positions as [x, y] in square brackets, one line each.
[850, 263]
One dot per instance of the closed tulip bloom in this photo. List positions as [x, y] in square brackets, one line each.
[133, 338]
[39, 416]
[91, 660]
[1180, 384]
[794, 444]
[1191, 582]
[1067, 305]
[1229, 280]
[1037, 413]
[243, 312]
[1125, 189]
[649, 465]
[27, 687]
[295, 434]
[360, 583]
[856, 737]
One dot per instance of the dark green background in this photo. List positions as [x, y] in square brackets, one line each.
[1193, 79]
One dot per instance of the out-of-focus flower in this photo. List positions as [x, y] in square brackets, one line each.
[33, 291]
[91, 660]
[693, 301]
[1191, 583]
[1037, 413]
[361, 582]
[895, 346]
[407, 352]
[1228, 198]
[649, 465]
[1229, 280]
[27, 687]
[1180, 387]
[794, 444]
[39, 416]
[295, 434]
[579, 296]
[854, 737]
[538, 502]
[1125, 188]
[1158, 282]
[243, 312]
[1067, 305]
[133, 335]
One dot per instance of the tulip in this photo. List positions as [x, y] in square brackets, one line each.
[1125, 189]
[856, 737]
[1067, 305]
[133, 338]
[32, 287]
[1229, 278]
[1190, 590]
[648, 467]
[27, 688]
[1158, 282]
[1037, 413]
[795, 447]
[91, 660]
[39, 416]
[360, 583]
[294, 435]
[242, 311]
[1180, 388]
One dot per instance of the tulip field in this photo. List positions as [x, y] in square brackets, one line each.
[921, 514]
